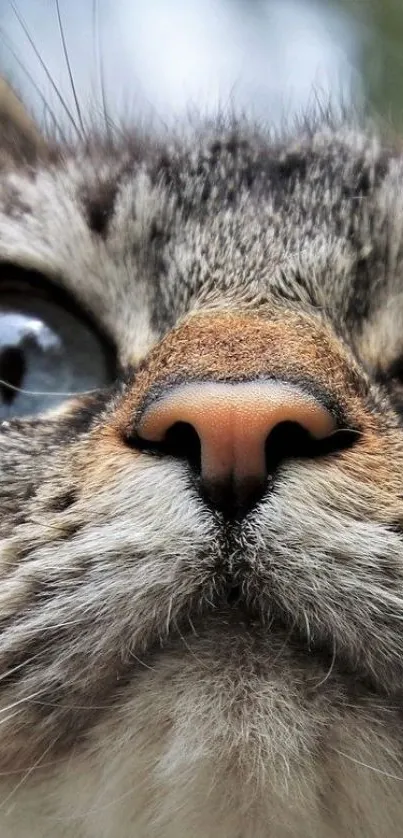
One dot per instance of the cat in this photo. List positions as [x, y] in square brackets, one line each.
[201, 597]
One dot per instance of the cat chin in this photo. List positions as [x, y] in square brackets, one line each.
[255, 748]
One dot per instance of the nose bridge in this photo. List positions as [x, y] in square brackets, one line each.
[224, 347]
[229, 346]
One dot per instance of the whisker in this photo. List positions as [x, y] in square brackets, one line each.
[33, 631]
[308, 628]
[11, 716]
[285, 643]
[61, 706]
[68, 65]
[28, 774]
[20, 701]
[18, 667]
[31, 79]
[330, 669]
[98, 60]
[192, 627]
[188, 647]
[141, 662]
[49, 76]
[18, 771]
[390, 708]
[98, 807]
[45, 524]
[4, 383]
[169, 614]
[373, 768]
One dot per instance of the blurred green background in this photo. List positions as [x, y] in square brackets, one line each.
[164, 57]
[379, 26]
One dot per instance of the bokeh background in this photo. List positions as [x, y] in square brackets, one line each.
[161, 59]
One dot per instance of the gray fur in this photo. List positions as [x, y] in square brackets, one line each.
[136, 697]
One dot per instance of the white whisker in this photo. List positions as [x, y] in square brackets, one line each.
[142, 663]
[380, 771]
[330, 669]
[188, 647]
[23, 700]
[19, 666]
[49, 76]
[27, 774]
[4, 383]
[68, 65]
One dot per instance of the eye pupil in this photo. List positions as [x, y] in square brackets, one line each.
[12, 371]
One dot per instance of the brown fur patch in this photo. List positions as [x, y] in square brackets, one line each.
[240, 347]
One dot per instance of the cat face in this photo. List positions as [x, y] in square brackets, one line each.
[140, 613]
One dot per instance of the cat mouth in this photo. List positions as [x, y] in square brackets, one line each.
[232, 600]
[231, 618]
[244, 610]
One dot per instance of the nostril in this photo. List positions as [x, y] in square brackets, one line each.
[182, 441]
[289, 440]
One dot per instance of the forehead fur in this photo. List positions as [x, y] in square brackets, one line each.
[143, 233]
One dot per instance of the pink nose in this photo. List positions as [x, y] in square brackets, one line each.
[232, 425]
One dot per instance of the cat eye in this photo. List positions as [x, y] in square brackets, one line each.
[48, 352]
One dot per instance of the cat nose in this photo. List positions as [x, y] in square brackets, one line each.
[235, 434]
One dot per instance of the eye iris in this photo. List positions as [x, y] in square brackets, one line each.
[28, 350]
[47, 354]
